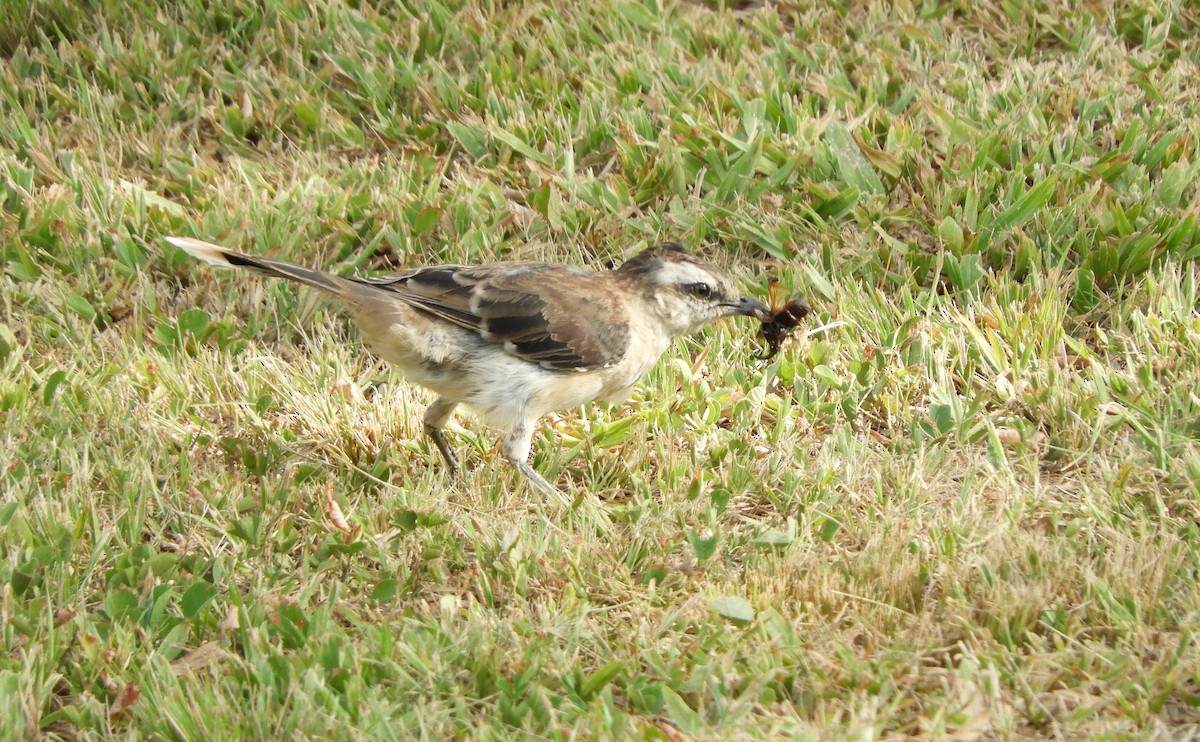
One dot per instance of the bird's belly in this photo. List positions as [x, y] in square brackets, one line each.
[437, 357]
[511, 390]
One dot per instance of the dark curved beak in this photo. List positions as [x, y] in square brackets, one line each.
[748, 307]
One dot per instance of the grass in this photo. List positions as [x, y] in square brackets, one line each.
[963, 505]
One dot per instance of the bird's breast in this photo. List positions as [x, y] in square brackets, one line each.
[646, 346]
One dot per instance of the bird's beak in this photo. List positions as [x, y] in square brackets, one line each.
[748, 307]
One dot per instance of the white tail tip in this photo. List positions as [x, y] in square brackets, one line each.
[206, 251]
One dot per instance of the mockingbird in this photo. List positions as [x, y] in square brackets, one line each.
[515, 341]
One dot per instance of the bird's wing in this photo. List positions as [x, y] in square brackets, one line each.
[539, 312]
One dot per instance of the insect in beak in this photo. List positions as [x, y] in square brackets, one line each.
[782, 321]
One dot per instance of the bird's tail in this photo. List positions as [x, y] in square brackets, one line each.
[217, 255]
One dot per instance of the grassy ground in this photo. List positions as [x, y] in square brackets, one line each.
[964, 505]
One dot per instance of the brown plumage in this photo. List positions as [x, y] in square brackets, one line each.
[533, 310]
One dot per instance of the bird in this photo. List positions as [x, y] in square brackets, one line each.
[514, 341]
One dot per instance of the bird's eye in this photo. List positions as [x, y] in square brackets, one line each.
[700, 290]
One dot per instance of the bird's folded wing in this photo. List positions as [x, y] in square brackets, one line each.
[558, 317]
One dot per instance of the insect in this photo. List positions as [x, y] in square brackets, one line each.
[784, 320]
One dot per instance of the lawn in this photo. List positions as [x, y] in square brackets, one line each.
[963, 503]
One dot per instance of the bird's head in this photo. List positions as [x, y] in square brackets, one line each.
[686, 292]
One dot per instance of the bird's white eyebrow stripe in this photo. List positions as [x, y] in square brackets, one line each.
[681, 273]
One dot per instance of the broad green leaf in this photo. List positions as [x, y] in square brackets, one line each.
[1086, 295]
[1174, 182]
[423, 221]
[80, 305]
[406, 520]
[163, 564]
[611, 434]
[829, 529]
[735, 609]
[817, 280]
[120, 603]
[720, 499]
[839, 205]
[740, 171]
[852, 165]
[647, 697]
[942, 416]
[775, 537]
[951, 233]
[827, 375]
[600, 678]
[1111, 166]
[386, 590]
[688, 721]
[52, 384]
[473, 139]
[703, 548]
[196, 597]
[1177, 237]
[520, 146]
[193, 321]
[964, 273]
[307, 114]
[431, 520]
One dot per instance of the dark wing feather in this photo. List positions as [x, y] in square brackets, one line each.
[534, 311]
[438, 290]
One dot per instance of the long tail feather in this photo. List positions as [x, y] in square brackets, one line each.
[218, 255]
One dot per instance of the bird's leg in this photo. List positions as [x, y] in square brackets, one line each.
[517, 445]
[436, 416]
